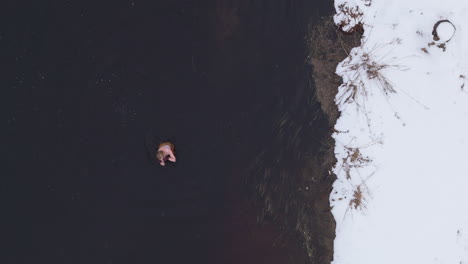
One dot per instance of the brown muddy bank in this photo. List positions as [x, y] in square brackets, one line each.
[244, 88]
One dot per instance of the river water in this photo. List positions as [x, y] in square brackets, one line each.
[92, 86]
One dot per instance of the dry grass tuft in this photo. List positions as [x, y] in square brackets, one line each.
[358, 198]
[367, 69]
[354, 160]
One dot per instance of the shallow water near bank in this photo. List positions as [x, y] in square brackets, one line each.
[91, 83]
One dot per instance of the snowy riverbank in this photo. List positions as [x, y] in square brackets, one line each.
[401, 140]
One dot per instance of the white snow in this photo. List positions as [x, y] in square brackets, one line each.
[403, 136]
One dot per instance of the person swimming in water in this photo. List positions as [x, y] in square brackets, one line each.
[165, 152]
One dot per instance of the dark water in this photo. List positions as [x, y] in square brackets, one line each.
[87, 87]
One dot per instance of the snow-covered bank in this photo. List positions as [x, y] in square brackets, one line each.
[401, 141]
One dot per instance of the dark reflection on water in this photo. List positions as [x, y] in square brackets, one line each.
[87, 83]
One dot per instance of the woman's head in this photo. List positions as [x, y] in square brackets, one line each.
[160, 155]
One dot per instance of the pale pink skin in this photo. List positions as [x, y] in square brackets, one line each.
[167, 152]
